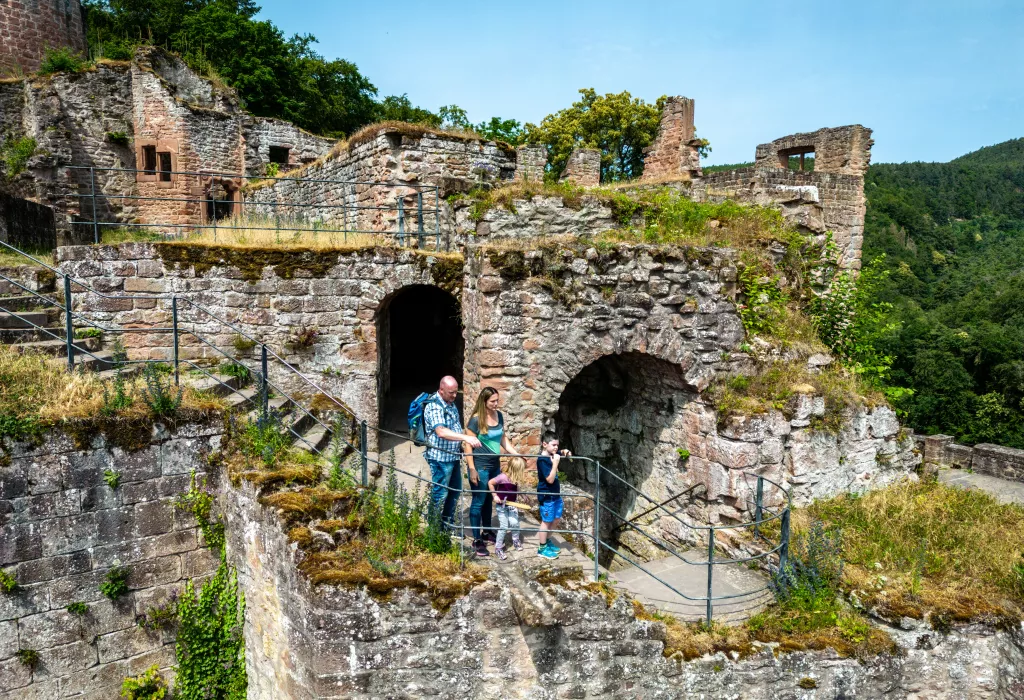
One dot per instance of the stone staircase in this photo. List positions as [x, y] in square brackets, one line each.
[29, 323]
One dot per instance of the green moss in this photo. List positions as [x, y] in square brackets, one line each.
[130, 434]
[447, 273]
[249, 261]
[510, 264]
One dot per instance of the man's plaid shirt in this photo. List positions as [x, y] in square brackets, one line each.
[438, 412]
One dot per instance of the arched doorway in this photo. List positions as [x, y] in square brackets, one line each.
[626, 411]
[419, 340]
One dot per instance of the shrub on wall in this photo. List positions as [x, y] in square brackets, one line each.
[210, 647]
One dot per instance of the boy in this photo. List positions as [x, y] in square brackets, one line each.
[548, 493]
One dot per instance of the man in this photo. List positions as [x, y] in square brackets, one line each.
[444, 453]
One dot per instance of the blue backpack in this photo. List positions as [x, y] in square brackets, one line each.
[417, 425]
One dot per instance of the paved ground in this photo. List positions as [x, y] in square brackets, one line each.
[1004, 490]
[690, 580]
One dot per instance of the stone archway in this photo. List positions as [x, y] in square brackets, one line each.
[419, 340]
[627, 411]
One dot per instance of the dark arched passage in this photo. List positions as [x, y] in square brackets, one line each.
[625, 410]
[419, 340]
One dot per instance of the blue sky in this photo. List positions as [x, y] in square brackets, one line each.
[933, 79]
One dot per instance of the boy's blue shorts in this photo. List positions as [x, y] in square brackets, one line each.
[551, 509]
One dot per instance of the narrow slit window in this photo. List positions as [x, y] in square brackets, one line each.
[149, 159]
[165, 166]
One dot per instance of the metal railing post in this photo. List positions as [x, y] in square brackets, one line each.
[265, 389]
[597, 524]
[174, 332]
[711, 572]
[69, 329]
[784, 548]
[419, 216]
[95, 223]
[401, 222]
[437, 218]
[362, 453]
[758, 506]
[213, 212]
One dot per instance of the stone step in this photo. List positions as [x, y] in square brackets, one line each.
[218, 384]
[58, 347]
[24, 319]
[26, 302]
[316, 438]
[20, 336]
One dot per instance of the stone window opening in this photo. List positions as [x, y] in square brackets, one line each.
[149, 159]
[279, 155]
[220, 199]
[626, 411]
[419, 340]
[165, 166]
[157, 161]
[800, 158]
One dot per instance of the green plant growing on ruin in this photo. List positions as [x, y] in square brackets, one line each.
[28, 657]
[120, 398]
[236, 370]
[115, 584]
[159, 617]
[266, 439]
[112, 478]
[303, 338]
[14, 153]
[1017, 577]
[199, 502]
[60, 60]
[120, 138]
[271, 169]
[148, 685]
[210, 647]
[78, 608]
[8, 584]
[159, 394]
[683, 453]
[765, 301]
[82, 333]
[242, 345]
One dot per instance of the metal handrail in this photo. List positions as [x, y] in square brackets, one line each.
[762, 515]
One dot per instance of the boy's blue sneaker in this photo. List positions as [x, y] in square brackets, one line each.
[552, 551]
[543, 551]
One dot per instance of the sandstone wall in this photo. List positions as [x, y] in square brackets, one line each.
[983, 458]
[29, 27]
[673, 153]
[512, 637]
[62, 528]
[261, 133]
[360, 187]
[583, 167]
[341, 294]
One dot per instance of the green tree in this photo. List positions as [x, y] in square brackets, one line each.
[398, 108]
[620, 125]
[497, 129]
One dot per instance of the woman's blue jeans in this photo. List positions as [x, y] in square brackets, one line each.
[481, 505]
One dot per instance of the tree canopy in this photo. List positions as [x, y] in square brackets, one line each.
[953, 239]
[619, 125]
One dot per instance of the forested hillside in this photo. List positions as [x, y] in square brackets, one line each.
[947, 241]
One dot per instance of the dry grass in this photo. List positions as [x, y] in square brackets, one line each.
[849, 634]
[370, 131]
[288, 474]
[306, 503]
[9, 259]
[919, 548]
[439, 576]
[34, 386]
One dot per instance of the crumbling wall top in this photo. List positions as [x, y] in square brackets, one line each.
[844, 149]
[674, 151]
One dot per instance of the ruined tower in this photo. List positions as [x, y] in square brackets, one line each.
[29, 27]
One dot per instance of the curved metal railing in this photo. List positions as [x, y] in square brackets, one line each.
[761, 513]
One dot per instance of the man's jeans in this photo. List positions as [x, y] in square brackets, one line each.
[445, 499]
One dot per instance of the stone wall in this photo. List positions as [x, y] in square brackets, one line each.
[674, 152]
[267, 296]
[404, 162]
[583, 167]
[530, 162]
[260, 133]
[29, 27]
[62, 528]
[512, 637]
[983, 458]
[26, 225]
[845, 150]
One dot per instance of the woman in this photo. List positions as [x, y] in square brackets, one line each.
[487, 425]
